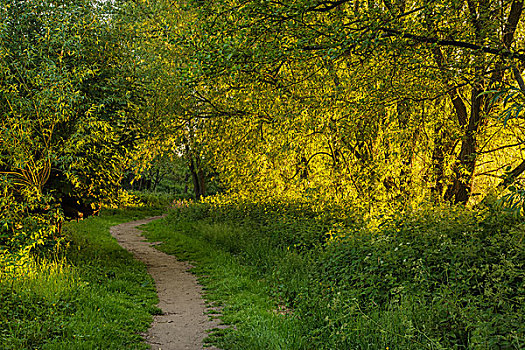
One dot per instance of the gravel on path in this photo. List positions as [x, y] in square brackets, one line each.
[183, 324]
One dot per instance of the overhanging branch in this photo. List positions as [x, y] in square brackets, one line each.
[455, 43]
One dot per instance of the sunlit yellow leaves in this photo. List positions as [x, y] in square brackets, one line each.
[281, 98]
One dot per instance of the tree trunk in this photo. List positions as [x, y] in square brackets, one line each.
[156, 180]
[197, 189]
[408, 144]
[202, 182]
[438, 162]
[460, 190]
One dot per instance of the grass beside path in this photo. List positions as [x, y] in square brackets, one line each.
[290, 278]
[259, 322]
[92, 294]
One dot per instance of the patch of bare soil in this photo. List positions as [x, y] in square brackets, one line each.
[183, 323]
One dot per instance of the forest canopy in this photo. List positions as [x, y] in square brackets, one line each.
[345, 100]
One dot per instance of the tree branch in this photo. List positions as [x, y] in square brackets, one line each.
[500, 148]
[511, 176]
[308, 162]
[518, 77]
[325, 6]
[512, 22]
[455, 43]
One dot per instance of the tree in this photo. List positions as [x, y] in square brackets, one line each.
[68, 109]
[331, 74]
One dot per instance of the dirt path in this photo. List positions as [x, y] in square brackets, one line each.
[183, 323]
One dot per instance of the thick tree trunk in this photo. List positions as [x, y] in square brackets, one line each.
[460, 190]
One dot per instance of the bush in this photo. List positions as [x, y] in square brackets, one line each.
[462, 272]
[27, 227]
[153, 199]
[432, 278]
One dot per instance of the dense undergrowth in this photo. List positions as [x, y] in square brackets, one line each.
[431, 278]
[84, 293]
[151, 199]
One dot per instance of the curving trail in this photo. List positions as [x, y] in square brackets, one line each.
[183, 323]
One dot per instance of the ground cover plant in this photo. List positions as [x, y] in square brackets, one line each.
[87, 293]
[152, 199]
[431, 278]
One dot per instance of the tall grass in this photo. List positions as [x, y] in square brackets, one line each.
[88, 294]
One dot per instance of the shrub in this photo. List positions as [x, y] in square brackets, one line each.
[153, 199]
[431, 278]
[458, 273]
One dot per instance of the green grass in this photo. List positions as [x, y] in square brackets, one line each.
[91, 294]
[434, 278]
[247, 304]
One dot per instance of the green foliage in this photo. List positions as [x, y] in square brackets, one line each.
[166, 173]
[514, 200]
[431, 278]
[296, 223]
[340, 100]
[22, 234]
[67, 114]
[460, 274]
[154, 199]
[90, 293]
